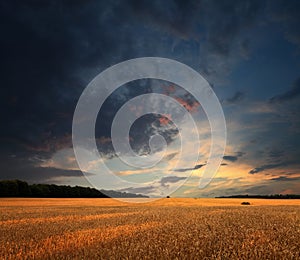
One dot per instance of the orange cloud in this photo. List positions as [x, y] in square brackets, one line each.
[165, 119]
[169, 89]
[104, 140]
[52, 144]
[189, 106]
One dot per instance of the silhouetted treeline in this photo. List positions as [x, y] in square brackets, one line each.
[273, 196]
[17, 188]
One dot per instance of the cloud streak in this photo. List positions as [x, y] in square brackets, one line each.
[237, 97]
[189, 169]
[292, 93]
[233, 158]
[171, 179]
[266, 167]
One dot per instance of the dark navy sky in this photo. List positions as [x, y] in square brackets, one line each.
[248, 50]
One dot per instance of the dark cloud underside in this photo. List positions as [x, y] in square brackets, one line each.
[248, 50]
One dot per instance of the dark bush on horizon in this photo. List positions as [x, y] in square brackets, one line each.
[245, 203]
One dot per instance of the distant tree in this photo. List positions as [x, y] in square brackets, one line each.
[23, 189]
[17, 188]
[272, 196]
[14, 188]
[40, 190]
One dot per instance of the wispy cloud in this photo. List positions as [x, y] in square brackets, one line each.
[284, 178]
[292, 93]
[237, 97]
[140, 190]
[189, 169]
[266, 167]
[230, 158]
[233, 158]
[171, 179]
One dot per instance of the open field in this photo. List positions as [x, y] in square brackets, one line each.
[163, 229]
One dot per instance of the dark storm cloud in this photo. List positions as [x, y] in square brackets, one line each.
[189, 169]
[50, 50]
[40, 57]
[171, 179]
[169, 16]
[287, 14]
[25, 169]
[56, 48]
[49, 53]
[221, 36]
[216, 28]
[226, 38]
[292, 93]
[50, 145]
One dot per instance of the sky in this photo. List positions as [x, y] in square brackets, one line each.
[248, 51]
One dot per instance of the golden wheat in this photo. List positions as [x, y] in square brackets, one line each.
[164, 229]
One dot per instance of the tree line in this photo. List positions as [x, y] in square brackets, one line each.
[272, 196]
[18, 188]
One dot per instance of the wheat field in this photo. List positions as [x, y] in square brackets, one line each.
[163, 229]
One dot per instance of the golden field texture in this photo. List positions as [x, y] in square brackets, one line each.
[163, 229]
